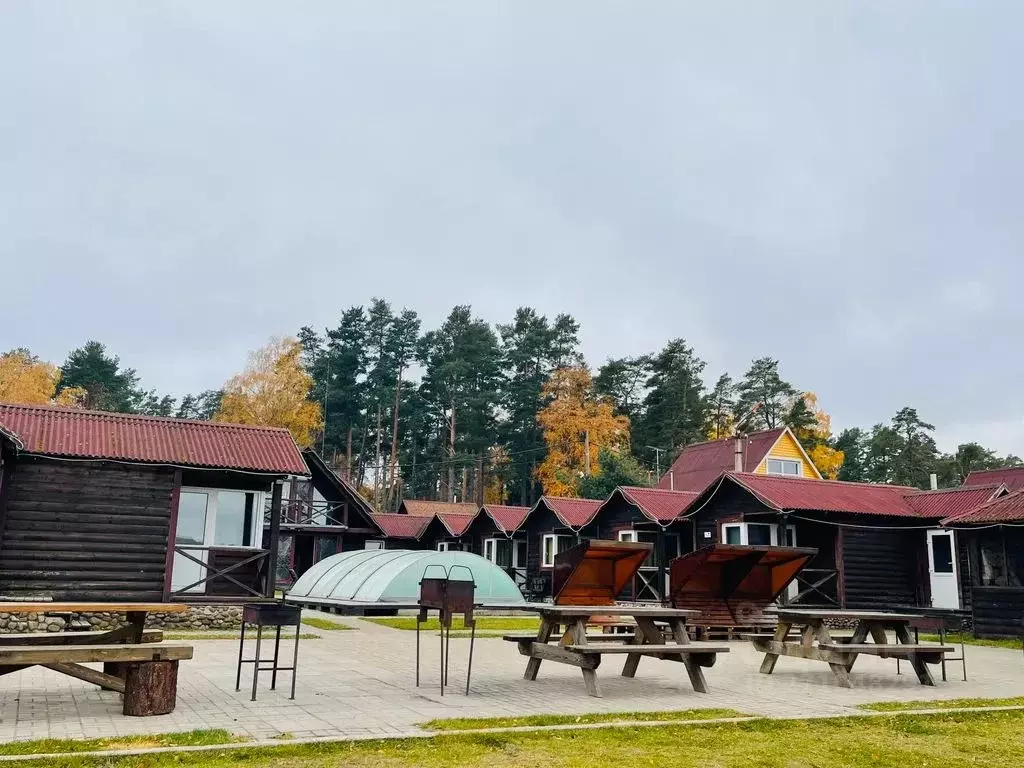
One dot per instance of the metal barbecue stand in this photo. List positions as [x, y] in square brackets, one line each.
[447, 596]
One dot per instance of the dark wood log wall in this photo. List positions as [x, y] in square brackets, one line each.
[85, 531]
[881, 566]
[998, 611]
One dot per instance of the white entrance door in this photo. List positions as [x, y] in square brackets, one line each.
[942, 569]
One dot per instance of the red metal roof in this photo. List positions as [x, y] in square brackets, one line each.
[398, 526]
[1005, 509]
[456, 523]
[798, 493]
[952, 501]
[73, 433]
[701, 464]
[659, 505]
[421, 508]
[1011, 477]
[507, 518]
[575, 513]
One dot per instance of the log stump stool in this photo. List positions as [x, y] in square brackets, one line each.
[150, 687]
[262, 615]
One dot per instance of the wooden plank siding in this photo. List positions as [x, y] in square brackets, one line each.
[998, 611]
[86, 531]
[786, 447]
[881, 568]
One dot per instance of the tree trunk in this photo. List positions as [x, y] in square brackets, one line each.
[394, 442]
[151, 688]
[451, 453]
[378, 469]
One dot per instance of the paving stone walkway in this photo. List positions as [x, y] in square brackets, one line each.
[361, 683]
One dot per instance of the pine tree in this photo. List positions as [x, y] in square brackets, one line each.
[673, 410]
[718, 409]
[762, 385]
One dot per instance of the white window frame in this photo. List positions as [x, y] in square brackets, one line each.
[632, 535]
[554, 537]
[212, 500]
[442, 546]
[627, 534]
[745, 533]
[799, 467]
[491, 550]
[373, 544]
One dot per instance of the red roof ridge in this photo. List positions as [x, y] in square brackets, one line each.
[645, 489]
[136, 416]
[960, 488]
[822, 481]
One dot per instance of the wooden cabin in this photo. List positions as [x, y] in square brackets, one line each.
[1011, 478]
[110, 506]
[653, 516]
[495, 535]
[447, 532]
[989, 566]
[873, 541]
[420, 508]
[320, 516]
[772, 452]
[553, 525]
[399, 531]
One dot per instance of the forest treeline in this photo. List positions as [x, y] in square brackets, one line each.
[503, 411]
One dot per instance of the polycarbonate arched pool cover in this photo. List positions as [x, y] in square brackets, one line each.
[393, 576]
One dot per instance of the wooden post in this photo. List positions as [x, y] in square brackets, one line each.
[172, 533]
[150, 688]
[275, 535]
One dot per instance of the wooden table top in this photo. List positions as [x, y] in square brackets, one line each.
[645, 611]
[826, 613]
[18, 607]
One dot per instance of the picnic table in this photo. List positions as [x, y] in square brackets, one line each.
[816, 641]
[577, 648]
[136, 662]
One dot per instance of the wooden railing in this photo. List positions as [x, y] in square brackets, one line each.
[213, 571]
[814, 582]
[311, 513]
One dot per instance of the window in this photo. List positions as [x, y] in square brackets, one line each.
[672, 544]
[499, 552]
[783, 467]
[373, 544]
[1000, 563]
[442, 546]
[751, 534]
[233, 524]
[551, 545]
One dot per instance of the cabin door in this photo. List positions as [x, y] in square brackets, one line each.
[942, 569]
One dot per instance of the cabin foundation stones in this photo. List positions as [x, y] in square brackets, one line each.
[199, 618]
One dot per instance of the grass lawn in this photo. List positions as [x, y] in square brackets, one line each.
[958, 637]
[483, 623]
[52, 746]
[957, 740]
[896, 706]
[327, 624]
[479, 723]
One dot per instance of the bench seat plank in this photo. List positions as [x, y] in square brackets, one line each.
[77, 654]
[71, 638]
[891, 649]
[668, 648]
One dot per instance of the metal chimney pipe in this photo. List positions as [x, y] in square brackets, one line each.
[737, 456]
[934, 480]
[671, 480]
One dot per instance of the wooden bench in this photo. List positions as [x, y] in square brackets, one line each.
[150, 670]
[930, 654]
[72, 638]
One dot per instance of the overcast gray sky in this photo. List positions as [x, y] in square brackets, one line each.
[834, 184]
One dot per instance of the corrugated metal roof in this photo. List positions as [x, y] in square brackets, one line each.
[659, 505]
[951, 501]
[73, 433]
[456, 523]
[1005, 509]
[701, 464]
[797, 493]
[575, 513]
[505, 517]
[401, 526]
[430, 508]
[1011, 477]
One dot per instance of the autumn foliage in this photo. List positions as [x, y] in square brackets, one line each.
[816, 432]
[273, 392]
[572, 418]
[27, 380]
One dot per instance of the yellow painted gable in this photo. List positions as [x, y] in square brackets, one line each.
[786, 447]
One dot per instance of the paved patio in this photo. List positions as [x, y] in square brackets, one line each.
[361, 683]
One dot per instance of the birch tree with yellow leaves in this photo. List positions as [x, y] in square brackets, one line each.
[574, 422]
[813, 428]
[273, 391]
[27, 380]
